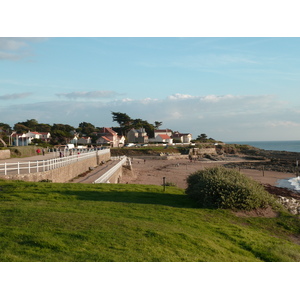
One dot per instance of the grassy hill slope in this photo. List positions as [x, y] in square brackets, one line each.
[106, 222]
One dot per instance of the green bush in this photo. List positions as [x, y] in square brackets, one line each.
[225, 188]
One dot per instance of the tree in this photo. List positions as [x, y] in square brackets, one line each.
[86, 128]
[21, 128]
[157, 124]
[139, 123]
[59, 137]
[4, 130]
[31, 124]
[43, 127]
[202, 138]
[124, 121]
[64, 127]
[5, 127]
[122, 118]
[61, 133]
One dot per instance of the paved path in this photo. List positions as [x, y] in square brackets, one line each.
[93, 175]
[24, 163]
[90, 176]
[40, 157]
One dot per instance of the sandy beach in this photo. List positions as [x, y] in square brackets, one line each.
[176, 171]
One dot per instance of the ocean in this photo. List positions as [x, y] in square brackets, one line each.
[291, 146]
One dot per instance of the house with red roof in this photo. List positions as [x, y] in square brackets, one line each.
[168, 132]
[107, 136]
[162, 136]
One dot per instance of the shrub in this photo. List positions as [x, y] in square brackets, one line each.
[223, 188]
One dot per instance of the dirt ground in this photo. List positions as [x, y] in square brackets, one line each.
[176, 171]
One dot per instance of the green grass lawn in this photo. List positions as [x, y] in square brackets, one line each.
[110, 222]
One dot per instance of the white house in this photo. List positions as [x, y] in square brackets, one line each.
[77, 140]
[182, 137]
[168, 132]
[84, 140]
[162, 136]
[24, 139]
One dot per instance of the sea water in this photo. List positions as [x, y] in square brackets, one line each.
[290, 183]
[291, 146]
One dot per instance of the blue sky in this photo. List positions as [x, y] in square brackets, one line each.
[232, 89]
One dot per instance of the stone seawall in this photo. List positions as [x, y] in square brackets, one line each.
[202, 151]
[4, 154]
[62, 174]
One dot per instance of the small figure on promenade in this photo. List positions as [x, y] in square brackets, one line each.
[43, 150]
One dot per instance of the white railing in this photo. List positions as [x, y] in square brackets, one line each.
[105, 177]
[46, 165]
[118, 157]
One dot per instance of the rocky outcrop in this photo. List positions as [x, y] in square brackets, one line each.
[291, 204]
[290, 199]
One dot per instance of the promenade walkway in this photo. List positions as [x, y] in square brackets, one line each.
[42, 163]
[87, 177]
[93, 175]
[40, 157]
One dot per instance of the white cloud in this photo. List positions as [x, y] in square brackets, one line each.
[287, 124]
[174, 115]
[178, 96]
[8, 56]
[11, 44]
[208, 98]
[127, 100]
[88, 95]
[16, 48]
[224, 117]
[211, 98]
[14, 96]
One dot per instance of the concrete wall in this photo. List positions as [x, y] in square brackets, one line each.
[63, 174]
[4, 154]
[202, 151]
[117, 176]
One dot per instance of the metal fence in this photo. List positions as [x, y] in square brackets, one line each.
[105, 177]
[46, 165]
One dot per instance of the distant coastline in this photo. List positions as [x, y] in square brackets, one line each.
[290, 146]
